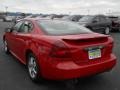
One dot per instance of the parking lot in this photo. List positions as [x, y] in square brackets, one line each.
[14, 76]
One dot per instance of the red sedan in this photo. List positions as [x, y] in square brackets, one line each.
[59, 50]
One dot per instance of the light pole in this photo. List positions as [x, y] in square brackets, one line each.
[6, 9]
[69, 13]
[88, 11]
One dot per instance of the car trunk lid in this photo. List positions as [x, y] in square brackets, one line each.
[83, 45]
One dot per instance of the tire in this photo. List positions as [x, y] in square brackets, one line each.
[6, 47]
[32, 67]
[107, 31]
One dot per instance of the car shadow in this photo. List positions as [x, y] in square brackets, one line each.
[82, 84]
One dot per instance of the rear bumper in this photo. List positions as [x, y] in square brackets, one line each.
[70, 70]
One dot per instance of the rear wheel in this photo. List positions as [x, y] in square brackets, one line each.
[107, 31]
[32, 67]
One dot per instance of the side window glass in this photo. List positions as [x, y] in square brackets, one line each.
[26, 27]
[102, 19]
[96, 19]
[17, 26]
[30, 25]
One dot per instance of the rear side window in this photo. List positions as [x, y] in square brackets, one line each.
[54, 27]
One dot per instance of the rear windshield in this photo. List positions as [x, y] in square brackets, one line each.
[54, 27]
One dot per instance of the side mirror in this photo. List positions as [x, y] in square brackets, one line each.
[8, 30]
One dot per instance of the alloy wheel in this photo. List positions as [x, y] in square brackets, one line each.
[32, 67]
[6, 47]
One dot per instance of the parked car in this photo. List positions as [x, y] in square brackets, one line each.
[2, 15]
[31, 16]
[17, 19]
[8, 18]
[74, 18]
[59, 50]
[39, 17]
[115, 23]
[54, 16]
[97, 23]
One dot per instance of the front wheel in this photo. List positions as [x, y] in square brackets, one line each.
[32, 67]
[107, 31]
[6, 47]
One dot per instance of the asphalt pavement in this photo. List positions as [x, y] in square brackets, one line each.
[14, 76]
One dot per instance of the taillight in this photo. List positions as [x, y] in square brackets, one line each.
[60, 50]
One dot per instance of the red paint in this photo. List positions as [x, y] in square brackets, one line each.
[63, 57]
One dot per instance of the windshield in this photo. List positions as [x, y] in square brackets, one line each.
[86, 18]
[54, 27]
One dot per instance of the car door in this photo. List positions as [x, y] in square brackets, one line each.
[10, 37]
[95, 24]
[103, 22]
[21, 38]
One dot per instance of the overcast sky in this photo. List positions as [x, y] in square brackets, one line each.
[61, 6]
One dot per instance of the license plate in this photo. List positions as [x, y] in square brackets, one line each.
[93, 54]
